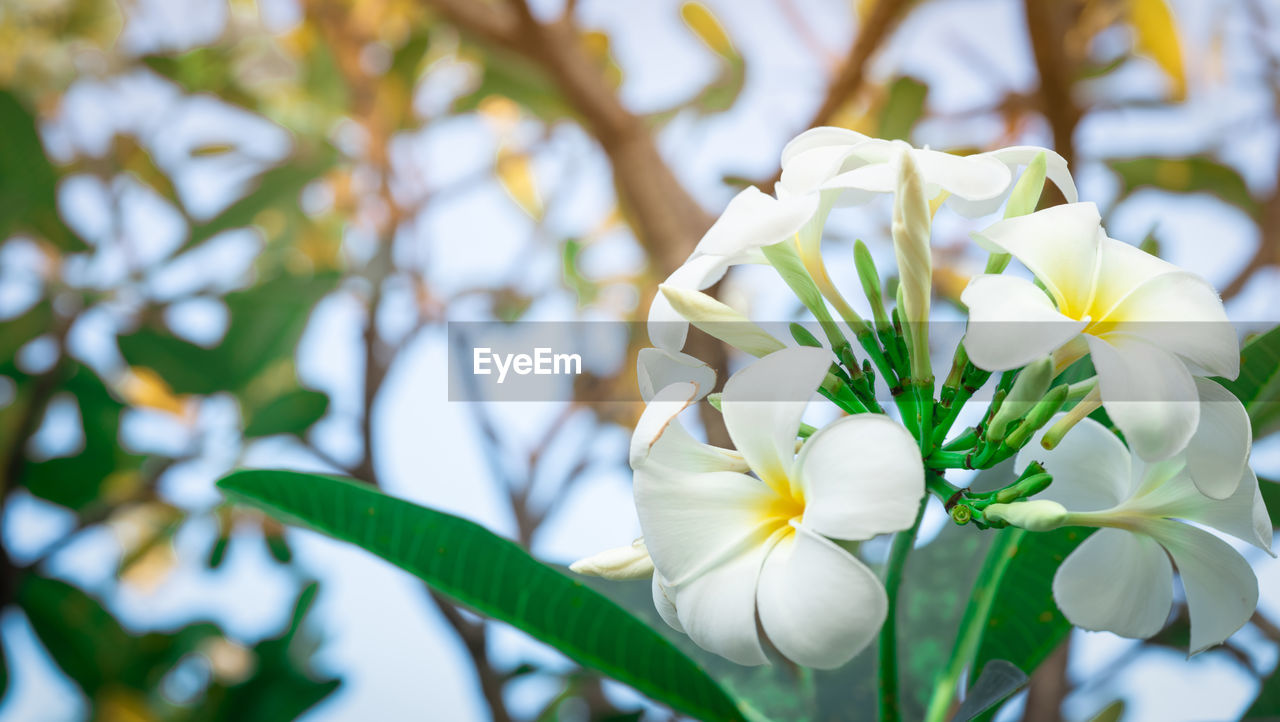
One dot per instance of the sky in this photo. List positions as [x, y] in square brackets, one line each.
[396, 659]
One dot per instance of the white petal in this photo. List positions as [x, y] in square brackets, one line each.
[658, 368]
[1012, 323]
[1091, 467]
[693, 521]
[1218, 452]
[862, 476]
[1123, 269]
[1148, 393]
[762, 406]
[718, 609]
[1181, 313]
[661, 410]
[1056, 170]
[662, 601]
[1242, 514]
[721, 321]
[818, 604]
[1059, 245]
[1222, 591]
[1116, 581]
[668, 329]
[820, 137]
[972, 177]
[814, 157]
[754, 219]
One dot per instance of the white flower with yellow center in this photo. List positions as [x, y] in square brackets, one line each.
[1120, 579]
[743, 540]
[1148, 325]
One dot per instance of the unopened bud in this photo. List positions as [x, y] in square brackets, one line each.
[1039, 415]
[1036, 515]
[623, 563]
[911, 231]
[720, 321]
[1028, 388]
[803, 337]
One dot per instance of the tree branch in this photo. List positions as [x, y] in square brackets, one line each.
[851, 77]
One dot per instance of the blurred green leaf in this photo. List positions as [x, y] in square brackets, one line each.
[281, 687]
[1258, 385]
[184, 366]
[293, 412]
[1266, 706]
[17, 331]
[493, 575]
[583, 288]
[76, 481]
[204, 70]
[507, 75]
[278, 187]
[1271, 497]
[266, 323]
[83, 638]
[28, 181]
[1195, 174]
[902, 109]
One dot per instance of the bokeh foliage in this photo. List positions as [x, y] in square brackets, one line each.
[332, 207]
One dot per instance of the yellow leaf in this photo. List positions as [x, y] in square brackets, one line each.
[515, 173]
[143, 387]
[707, 28]
[1156, 36]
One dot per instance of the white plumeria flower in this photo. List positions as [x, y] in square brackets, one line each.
[658, 368]
[736, 552]
[1148, 324]
[856, 168]
[1120, 579]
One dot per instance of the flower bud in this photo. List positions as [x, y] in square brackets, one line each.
[1038, 416]
[1027, 390]
[721, 321]
[911, 228]
[623, 563]
[1036, 515]
[871, 285]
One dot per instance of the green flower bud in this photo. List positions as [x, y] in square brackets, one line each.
[1039, 416]
[1028, 388]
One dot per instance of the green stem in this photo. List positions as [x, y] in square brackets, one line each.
[888, 651]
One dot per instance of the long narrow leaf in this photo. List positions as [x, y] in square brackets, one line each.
[494, 576]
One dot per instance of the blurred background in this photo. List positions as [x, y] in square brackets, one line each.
[231, 234]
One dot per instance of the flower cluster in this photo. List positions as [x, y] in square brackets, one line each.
[1103, 359]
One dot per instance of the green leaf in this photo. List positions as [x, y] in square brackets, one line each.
[28, 181]
[1258, 385]
[282, 687]
[278, 187]
[1011, 614]
[1271, 497]
[494, 576]
[293, 412]
[75, 481]
[1266, 706]
[186, 367]
[998, 681]
[267, 321]
[17, 331]
[902, 108]
[1197, 174]
[82, 637]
